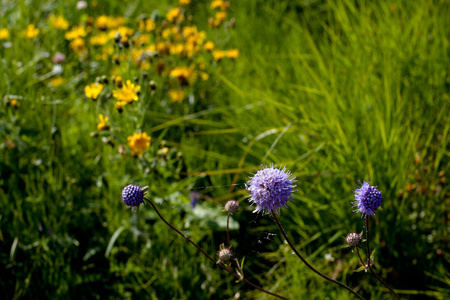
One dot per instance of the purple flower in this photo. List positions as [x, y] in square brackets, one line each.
[195, 196]
[270, 188]
[132, 195]
[367, 199]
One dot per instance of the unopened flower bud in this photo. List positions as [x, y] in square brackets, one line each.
[231, 206]
[225, 255]
[353, 239]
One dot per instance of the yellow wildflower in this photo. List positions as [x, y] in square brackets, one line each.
[102, 23]
[220, 4]
[14, 103]
[119, 105]
[147, 25]
[56, 81]
[138, 143]
[77, 45]
[4, 34]
[218, 54]
[127, 93]
[208, 46]
[220, 16]
[59, 22]
[102, 122]
[176, 95]
[75, 32]
[184, 75]
[232, 53]
[31, 32]
[93, 90]
[174, 14]
[99, 39]
[184, 2]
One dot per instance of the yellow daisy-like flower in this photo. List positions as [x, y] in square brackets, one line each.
[208, 46]
[218, 54]
[75, 32]
[31, 32]
[93, 90]
[14, 103]
[99, 39]
[184, 75]
[59, 22]
[139, 142]
[176, 95]
[184, 2]
[77, 45]
[4, 34]
[127, 93]
[57, 81]
[174, 14]
[232, 53]
[102, 122]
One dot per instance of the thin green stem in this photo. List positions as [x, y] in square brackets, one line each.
[229, 270]
[306, 263]
[369, 262]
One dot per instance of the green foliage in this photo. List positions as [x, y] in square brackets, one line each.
[336, 90]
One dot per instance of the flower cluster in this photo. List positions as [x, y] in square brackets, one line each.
[270, 188]
[367, 199]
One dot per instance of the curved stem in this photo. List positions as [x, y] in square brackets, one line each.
[360, 259]
[240, 273]
[306, 263]
[369, 262]
[228, 231]
[229, 270]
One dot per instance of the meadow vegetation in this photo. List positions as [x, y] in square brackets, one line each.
[189, 98]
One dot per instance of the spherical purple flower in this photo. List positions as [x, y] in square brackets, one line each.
[270, 188]
[132, 195]
[367, 199]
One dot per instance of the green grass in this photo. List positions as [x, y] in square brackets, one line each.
[337, 91]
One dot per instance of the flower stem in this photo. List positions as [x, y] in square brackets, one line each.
[229, 270]
[369, 262]
[306, 263]
[240, 273]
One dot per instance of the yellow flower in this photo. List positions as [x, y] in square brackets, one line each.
[232, 53]
[102, 122]
[75, 32]
[56, 81]
[220, 4]
[102, 23]
[220, 16]
[184, 2]
[174, 14]
[139, 142]
[99, 39]
[147, 25]
[208, 46]
[120, 104]
[77, 45]
[184, 75]
[127, 93]
[59, 22]
[93, 90]
[31, 32]
[216, 4]
[176, 95]
[4, 34]
[14, 103]
[218, 54]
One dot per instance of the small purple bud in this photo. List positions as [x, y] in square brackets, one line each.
[132, 195]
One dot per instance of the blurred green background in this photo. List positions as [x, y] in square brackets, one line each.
[338, 91]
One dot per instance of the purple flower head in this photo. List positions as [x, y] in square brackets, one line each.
[270, 188]
[367, 199]
[132, 195]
